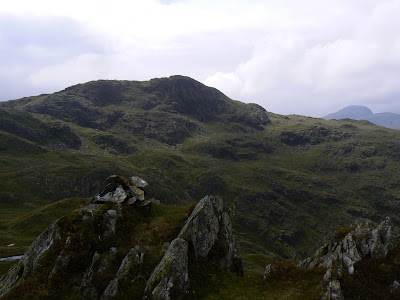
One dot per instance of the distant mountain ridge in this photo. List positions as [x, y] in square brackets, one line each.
[386, 119]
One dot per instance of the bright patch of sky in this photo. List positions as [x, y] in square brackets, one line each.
[306, 57]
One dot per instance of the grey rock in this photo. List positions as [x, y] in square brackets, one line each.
[137, 192]
[395, 286]
[333, 291]
[170, 278]
[205, 225]
[340, 256]
[113, 192]
[60, 264]
[137, 181]
[317, 181]
[110, 218]
[30, 261]
[121, 280]
[89, 211]
[131, 201]
[98, 265]
[267, 270]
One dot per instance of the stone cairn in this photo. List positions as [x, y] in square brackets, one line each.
[122, 190]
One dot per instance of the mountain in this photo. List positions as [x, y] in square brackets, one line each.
[389, 120]
[351, 112]
[288, 182]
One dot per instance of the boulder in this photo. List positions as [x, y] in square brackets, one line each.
[267, 270]
[113, 192]
[206, 224]
[124, 182]
[340, 256]
[207, 229]
[138, 182]
[30, 261]
[120, 281]
[110, 218]
[170, 278]
[137, 193]
[100, 264]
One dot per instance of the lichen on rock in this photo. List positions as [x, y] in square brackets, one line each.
[206, 227]
[170, 278]
[95, 252]
[340, 256]
[30, 261]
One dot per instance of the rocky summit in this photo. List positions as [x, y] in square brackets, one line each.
[121, 245]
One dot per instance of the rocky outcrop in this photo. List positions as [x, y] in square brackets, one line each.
[120, 281]
[30, 261]
[97, 253]
[170, 279]
[208, 229]
[99, 265]
[340, 256]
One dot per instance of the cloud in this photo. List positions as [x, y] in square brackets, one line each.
[28, 44]
[310, 57]
[314, 73]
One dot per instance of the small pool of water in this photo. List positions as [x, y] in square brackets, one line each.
[11, 258]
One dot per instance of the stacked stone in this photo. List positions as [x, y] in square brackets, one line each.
[122, 190]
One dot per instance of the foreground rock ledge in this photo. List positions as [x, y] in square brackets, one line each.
[205, 240]
[206, 230]
[337, 257]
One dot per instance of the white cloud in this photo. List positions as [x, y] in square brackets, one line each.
[307, 57]
[357, 65]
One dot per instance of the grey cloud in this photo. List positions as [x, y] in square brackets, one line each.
[28, 44]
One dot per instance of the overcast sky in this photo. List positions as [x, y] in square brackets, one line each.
[308, 57]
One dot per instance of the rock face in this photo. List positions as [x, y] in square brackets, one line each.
[170, 279]
[340, 256]
[120, 281]
[31, 258]
[96, 252]
[208, 228]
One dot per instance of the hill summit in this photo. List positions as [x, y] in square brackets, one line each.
[351, 112]
[385, 119]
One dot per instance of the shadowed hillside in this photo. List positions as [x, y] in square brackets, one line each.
[288, 181]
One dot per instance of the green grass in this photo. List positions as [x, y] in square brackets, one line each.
[133, 228]
[266, 173]
[24, 229]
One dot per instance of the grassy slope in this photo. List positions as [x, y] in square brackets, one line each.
[288, 184]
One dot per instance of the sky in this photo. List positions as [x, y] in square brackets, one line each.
[309, 57]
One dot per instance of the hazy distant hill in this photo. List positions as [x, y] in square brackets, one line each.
[389, 120]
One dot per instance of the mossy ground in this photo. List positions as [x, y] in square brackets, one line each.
[150, 231]
[278, 207]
